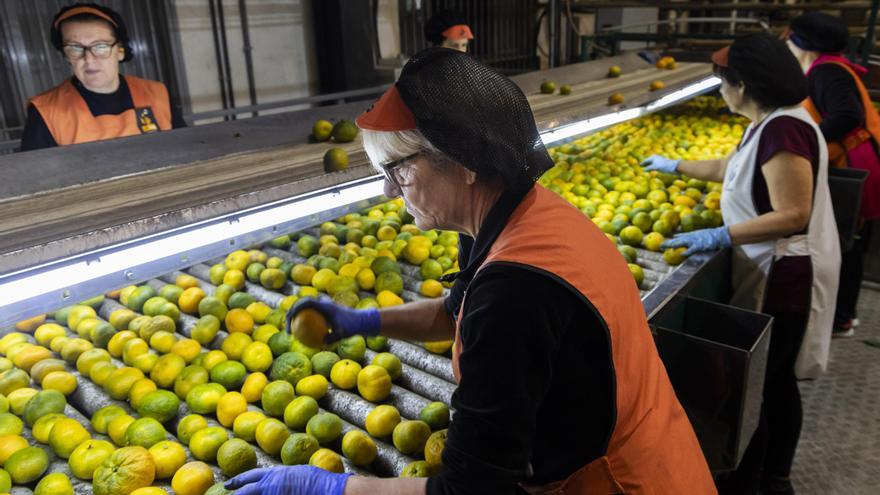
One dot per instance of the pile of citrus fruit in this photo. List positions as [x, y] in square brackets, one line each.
[601, 174]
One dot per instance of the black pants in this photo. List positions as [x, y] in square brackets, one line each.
[851, 270]
[770, 453]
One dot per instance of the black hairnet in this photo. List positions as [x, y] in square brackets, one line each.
[119, 30]
[439, 22]
[818, 32]
[475, 116]
[771, 74]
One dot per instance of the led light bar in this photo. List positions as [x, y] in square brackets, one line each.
[67, 281]
[609, 119]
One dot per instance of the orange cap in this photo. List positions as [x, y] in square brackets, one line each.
[457, 32]
[389, 113]
[720, 57]
[83, 10]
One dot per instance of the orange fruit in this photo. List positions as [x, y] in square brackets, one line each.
[310, 327]
[239, 320]
[189, 300]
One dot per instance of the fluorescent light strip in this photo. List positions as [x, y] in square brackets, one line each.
[77, 272]
[602, 121]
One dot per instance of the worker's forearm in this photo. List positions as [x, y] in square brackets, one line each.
[710, 170]
[424, 321]
[361, 485]
[769, 226]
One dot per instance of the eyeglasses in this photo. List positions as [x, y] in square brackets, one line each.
[391, 170]
[75, 51]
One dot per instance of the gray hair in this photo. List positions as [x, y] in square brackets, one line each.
[385, 146]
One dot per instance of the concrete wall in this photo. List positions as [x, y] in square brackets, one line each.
[282, 49]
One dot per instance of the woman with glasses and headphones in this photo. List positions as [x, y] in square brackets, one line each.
[98, 102]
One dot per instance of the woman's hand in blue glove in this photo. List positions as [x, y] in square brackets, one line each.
[661, 164]
[700, 240]
[288, 480]
[344, 321]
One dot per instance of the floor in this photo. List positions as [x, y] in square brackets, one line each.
[839, 451]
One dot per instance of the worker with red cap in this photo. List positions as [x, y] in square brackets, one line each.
[779, 222]
[449, 30]
[98, 102]
[560, 386]
[841, 105]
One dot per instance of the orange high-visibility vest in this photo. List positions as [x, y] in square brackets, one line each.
[71, 122]
[837, 150]
[653, 448]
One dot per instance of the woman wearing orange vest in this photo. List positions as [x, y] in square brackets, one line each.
[97, 103]
[560, 387]
[840, 104]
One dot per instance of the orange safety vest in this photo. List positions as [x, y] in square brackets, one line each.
[653, 448]
[837, 152]
[71, 122]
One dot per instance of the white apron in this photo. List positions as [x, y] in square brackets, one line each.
[752, 262]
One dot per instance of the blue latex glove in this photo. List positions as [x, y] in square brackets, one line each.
[661, 164]
[700, 240]
[344, 321]
[288, 480]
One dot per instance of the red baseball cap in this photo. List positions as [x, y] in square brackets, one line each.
[389, 113]
[457, 32]
[721, 56]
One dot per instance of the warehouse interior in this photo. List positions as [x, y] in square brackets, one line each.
[152, 281]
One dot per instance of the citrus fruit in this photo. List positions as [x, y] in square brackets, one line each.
[258, 311]
[418, 469]
[322, 130]
[674, 256]
[26, 465]
[327, 460]
[89, 358]
[88, 456]
[18, 399]
[149, 490]
[240, 300]
[43, 403]
[352, 348]
[325, 427]
[390, 362]
[280, 343]
[54, 484]
[335, 159]
[212, 305]
[48, 331]
[431, 288]
[264, 332]
[359, 448]
[410, 436]
[163, 341]
[139, 296]
[203, 398]
[298, 346]
[193, 478]
[298, 449]
[390, 281]
[217, 489]
[102, 417]
[43, 427]
[257, 356]
[117, 343]
[230, 406]
[126, 470]
[10, 444]
[189, 425]
[132, 349]
[323, 362]
[230, 374]
[434, 447]
[168, 456]
[171, 293]
[29, 355]
[216, 273]
[292, 367]
[161, 405]
[382, 420]
[344, 131]
[188, 349]
[653, 241]
[439, 347]
[387, 298]
[205, 443]
[119, 382]
[298, 413]
[271, 435]
[116, 428]
[310, 327]
[272, 278]
[143, 432]
[145, 362]
[205, 329]
[66, 436]
[374, 383]
[252, 389]
[191, 376]
[236, 456]
[239, 320]
[79, 313]
[276, 396]
[245, 425]
[314, 386]
[344, 374]
[637, 273]
[166, 370]
[435, 415]
[213, 358]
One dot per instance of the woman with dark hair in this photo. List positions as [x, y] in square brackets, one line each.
[840, 104]
[448, 29]
[98, 102]
[780, 225]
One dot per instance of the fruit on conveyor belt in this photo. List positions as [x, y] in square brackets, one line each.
[193, 377]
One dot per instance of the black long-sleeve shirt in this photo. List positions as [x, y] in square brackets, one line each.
[537, 388]
[835, 95]
[36, 134]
